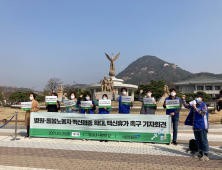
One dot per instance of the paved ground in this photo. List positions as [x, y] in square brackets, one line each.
[44, 153]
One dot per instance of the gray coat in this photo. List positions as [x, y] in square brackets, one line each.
[151, 109]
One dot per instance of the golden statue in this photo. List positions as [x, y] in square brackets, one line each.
[112, 67]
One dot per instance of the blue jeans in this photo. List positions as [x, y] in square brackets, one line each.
[175, 120]
[202, 142]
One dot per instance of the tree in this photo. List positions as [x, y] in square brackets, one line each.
[84, 92]
[179, 94]
[40, 98]
[1, 95]
[53, 84]
[45, 93]
[67, 88]
[20, 96]
[191, 96]
[206, 96]
[7, 94]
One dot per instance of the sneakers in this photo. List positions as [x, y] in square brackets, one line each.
[204, 158]
[175, 142]
[197, 156]
[200, 154]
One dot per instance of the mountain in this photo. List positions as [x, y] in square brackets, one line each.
[148, 68]
[14, 89]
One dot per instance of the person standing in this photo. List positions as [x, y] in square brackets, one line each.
[123, 109]
[34, 108]
[174, 113]
[219, 101]
[103, 110]
[198, 118]
[72, 97]
[53, 108]
[87, 98]
[147, 109]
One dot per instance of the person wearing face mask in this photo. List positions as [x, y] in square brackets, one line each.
[87, 111]
[174, 113]
[53, 108]
[72, 97]
[147, 109]
[34, 108]
[103, 110]
[123, 109]
[198, 118]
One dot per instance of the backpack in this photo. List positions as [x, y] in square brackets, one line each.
[193, 145]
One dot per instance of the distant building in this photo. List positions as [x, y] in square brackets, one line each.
[209, 85]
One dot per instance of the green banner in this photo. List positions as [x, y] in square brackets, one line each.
[50, 103]
[126, 103]
[100, 135]
[105, 106]
[86, 107]
[70, 106]
[26, 109]
[172, 107]
[150, 105]
[140, 128]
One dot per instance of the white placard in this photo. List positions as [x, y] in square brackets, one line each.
[173, 104]
[26, 105]
[70, 103]
[192, 102]
[148, 101]
[51, 100]
[104, 103]
[126, 100]
[86, 104]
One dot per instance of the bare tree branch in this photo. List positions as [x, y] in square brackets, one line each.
[53, 84]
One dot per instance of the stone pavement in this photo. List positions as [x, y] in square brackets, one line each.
[45, 153]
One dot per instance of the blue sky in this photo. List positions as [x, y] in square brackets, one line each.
[41, 39]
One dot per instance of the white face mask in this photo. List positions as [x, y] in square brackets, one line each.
[123, 93]
[30, 98]
[173, 94]
[148, 94]
[72, 97]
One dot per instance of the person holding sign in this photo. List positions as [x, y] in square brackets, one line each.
[87, 106]
[173, 104]
[125, 102]
[148, 103]
[104, 104]
[198, 118]
[34, 108]
[72, 106]
[53, 108]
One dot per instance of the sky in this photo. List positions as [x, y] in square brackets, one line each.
[42, 39]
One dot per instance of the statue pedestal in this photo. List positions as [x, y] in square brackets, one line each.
[95, 89]
[162, 99]
[100, 95]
